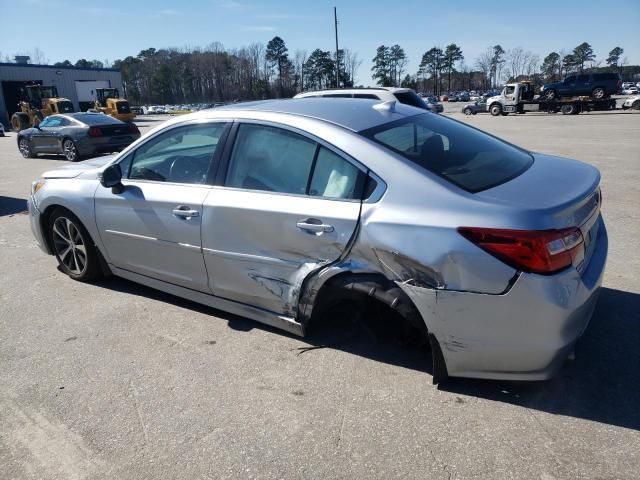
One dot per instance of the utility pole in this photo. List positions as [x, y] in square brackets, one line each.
[335, 19]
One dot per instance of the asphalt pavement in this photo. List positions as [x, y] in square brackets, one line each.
[113, 380]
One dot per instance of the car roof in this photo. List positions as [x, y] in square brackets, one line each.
[353, 115]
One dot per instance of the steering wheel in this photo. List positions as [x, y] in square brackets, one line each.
[187, 170]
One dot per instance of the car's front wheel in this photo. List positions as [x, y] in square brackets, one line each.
[598, 93]
[70, 150]
[24, 145]
[73, 247]
[467, 111]
[549, 94]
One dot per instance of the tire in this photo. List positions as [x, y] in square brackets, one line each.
[24, 145]
[550, 94]
[72, 245]
[495, 109]
[598, 93]
[569, 109]
[70, 151]
[467, 111]
[635, 105]
[19, 121]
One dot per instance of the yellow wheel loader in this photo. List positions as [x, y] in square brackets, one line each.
[108, 101]
[38, 101]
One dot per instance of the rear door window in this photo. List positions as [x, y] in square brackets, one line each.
[464, 156]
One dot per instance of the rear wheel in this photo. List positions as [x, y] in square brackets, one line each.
[549, 94]
[495, 109]
[73, 248]
[636, 105]
[70, 151]
[467, 111]
[598, 93]
[24, 145]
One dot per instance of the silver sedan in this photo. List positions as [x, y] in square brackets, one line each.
[277, 210]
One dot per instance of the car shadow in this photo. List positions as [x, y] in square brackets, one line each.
[601, 384]
[11, 205]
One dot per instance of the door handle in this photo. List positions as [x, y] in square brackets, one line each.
[185, 212]
[314, 225]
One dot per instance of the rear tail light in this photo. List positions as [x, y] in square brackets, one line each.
[536, 251]
[133, 128]
[95, 132]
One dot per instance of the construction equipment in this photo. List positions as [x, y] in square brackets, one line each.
[38, 101]
[108, 101]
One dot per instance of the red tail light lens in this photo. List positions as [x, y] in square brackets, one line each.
[133, 128]
[95, 132]
[536, 251]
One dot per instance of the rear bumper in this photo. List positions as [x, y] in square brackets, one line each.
[524, 334]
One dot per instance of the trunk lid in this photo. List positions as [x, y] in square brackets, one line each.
[554, 193]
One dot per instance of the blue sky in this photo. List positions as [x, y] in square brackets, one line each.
[117, 28]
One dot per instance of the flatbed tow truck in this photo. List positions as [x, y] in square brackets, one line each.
[519, 98]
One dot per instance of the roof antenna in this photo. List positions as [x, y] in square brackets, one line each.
[389, 106]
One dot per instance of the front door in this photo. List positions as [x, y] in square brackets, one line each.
[47, 138]
[288, 206]
[153, 226]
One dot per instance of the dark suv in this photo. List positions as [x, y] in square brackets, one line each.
[596, 85]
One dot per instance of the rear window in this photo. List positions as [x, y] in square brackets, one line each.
[464, 156]
[96, 119]
[606, 76]
[410, 98]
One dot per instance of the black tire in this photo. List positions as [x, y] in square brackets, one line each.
[635, 105]
[495, 110]
[598, 93]
[72, 245]
[19, 121]
[24, 145]
[550, 94]
[467, 111]
[569, 109]
[70, 151]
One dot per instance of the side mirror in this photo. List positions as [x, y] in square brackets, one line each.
[112, 178]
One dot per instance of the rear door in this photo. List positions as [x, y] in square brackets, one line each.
[286, 204]
[153, 226]
[583, 85]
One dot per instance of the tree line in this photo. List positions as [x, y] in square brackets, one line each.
[258, 71]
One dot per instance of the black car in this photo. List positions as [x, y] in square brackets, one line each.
[77, 135]
[595, 85]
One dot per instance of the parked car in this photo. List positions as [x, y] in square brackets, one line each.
[385, 94]
[632, 102]
[464, 97]
[77, 135]
[433, 104]
[596, 85]
[453, 97]
[630, 91]
[479, 106]
[281, 210]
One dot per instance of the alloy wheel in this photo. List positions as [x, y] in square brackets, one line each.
[598, 93]
[70, 247]
[69, 150]
[24, 147]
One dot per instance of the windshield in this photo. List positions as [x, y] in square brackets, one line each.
[460, 154]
